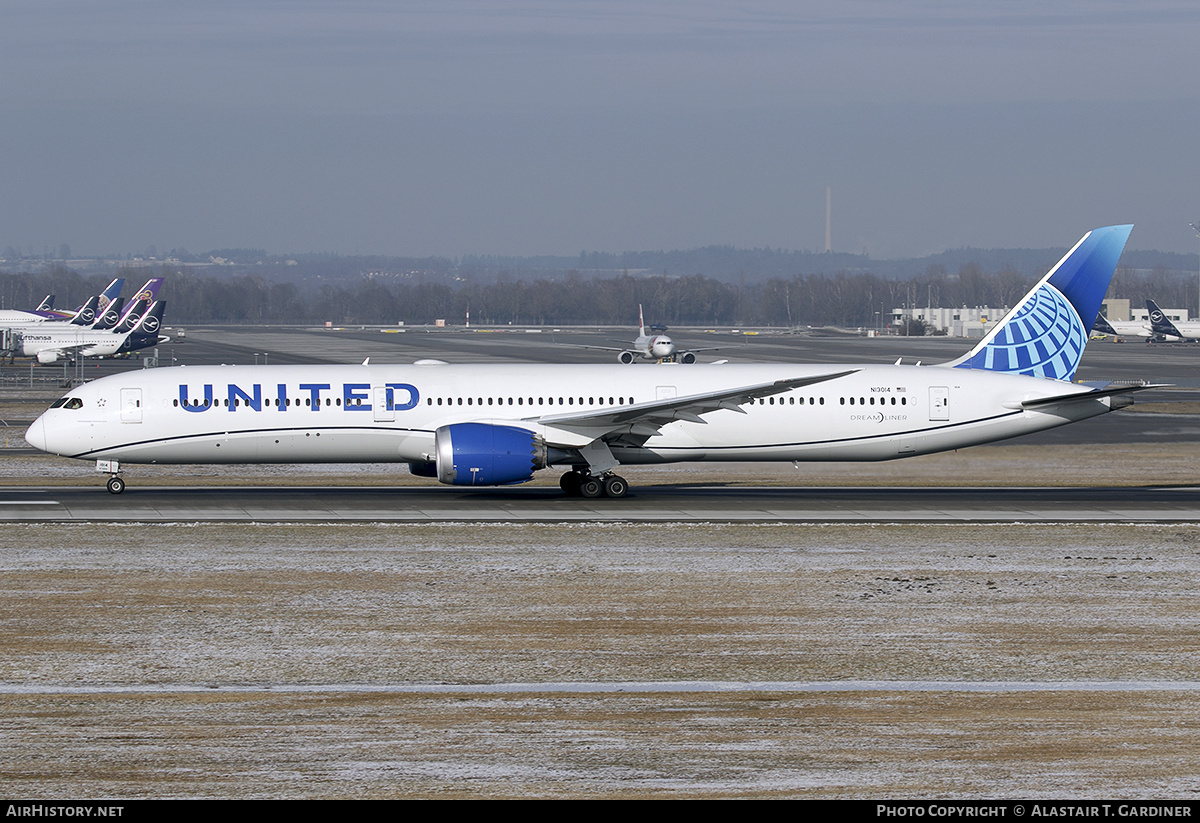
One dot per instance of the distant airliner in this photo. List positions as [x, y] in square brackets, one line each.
[45, 311]
[486, 425]
[51, 342]
[1165, 328]
[656, 347]
[1134, 328]
[93, 331]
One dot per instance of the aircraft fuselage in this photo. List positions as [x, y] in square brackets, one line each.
[385, 413]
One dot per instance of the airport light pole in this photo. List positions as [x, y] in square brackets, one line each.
[1196, 228]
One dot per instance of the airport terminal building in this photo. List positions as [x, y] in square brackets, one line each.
[976, 322]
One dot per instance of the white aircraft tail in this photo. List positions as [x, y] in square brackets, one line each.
[1045, 333]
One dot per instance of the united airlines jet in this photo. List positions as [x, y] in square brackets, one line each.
[487, 425]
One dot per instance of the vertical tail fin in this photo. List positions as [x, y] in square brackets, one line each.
[111, 315]
[149, 292]
[1045, 333]
[134, 311]
[151, 321]
[1101, 325]
[1160, 324]
[86, 315]
[109, 294]
[641, 322]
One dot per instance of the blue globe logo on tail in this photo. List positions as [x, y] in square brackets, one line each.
[1045, 334]
[1045, 338]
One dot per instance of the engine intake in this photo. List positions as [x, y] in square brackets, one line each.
[480, 454]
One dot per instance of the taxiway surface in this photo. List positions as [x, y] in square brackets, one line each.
[684, 504]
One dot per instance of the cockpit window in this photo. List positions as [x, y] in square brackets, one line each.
[57, 403]
[67, 403]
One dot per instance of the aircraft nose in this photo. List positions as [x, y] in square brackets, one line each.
[35, 435]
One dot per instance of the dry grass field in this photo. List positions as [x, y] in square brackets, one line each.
[244, 660]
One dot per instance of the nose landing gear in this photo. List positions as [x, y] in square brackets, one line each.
[115, 484]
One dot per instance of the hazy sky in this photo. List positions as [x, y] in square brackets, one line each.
[543, 127]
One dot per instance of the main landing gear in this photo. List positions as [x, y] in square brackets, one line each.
[582, 484]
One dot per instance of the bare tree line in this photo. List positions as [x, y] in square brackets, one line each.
[843, 299]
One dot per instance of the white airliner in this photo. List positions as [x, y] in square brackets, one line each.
[1164, 328]
[45, 313]
[656, 347]
[50, 342]
[92, 331]
[1121, 328]
[480, 425]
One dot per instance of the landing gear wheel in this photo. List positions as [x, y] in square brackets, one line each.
[116, 485]
[591, 487]
[570, 483]
[615, 486]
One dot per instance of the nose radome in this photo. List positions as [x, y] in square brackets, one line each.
[35, 435]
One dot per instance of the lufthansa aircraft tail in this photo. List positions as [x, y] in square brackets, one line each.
[1044, 335]
[1102, 325]
[139, 305]
[1161, 325]
[86, 315]
[111, 315]
[145, 333]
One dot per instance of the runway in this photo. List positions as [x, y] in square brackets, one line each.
[657, 504]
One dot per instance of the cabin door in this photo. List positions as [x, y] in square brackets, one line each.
[131, 405]
[939, 403]
[385, 411]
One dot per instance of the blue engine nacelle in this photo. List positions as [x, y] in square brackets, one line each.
[479, 454]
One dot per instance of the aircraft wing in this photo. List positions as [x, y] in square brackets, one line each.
[603, 348]
[633, 347]
[51, 354]
[574, 429]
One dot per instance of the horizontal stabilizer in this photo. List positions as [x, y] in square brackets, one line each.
[1094, 394]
